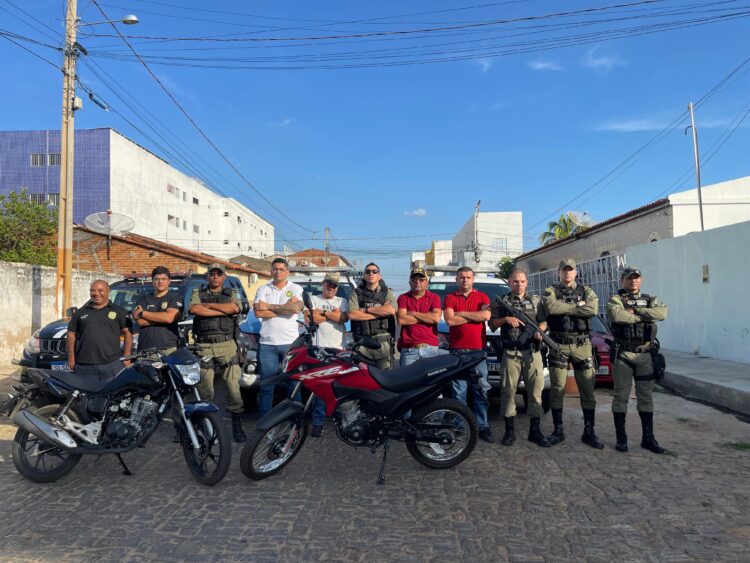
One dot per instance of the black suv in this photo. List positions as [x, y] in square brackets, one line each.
[47, 347]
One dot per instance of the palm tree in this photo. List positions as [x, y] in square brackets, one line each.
[568, 224]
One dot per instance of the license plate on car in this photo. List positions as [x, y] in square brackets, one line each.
[59, 366]
[493, 367]
[603, 370]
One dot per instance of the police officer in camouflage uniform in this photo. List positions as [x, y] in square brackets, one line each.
[521, 356]
[633, 316]
[216, 310]
[569, 307]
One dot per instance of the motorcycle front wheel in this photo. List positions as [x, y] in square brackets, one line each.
[39, 461]
[450, 421]
[268, 451]
[210, 462]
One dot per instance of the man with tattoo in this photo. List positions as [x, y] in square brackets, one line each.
[276, 305]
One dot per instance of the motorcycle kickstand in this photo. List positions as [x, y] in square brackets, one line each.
[381, 475]
[125, 470]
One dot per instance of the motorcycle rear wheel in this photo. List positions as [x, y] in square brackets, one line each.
[263, 453]
[209, 463]
[461, 434]
[38, 461]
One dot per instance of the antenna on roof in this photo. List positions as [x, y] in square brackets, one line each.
[581, 218]
[109, 223]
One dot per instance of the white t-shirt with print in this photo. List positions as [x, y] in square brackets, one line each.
[330, 335]
[282, 330]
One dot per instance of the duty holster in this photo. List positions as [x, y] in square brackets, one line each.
[658, 360]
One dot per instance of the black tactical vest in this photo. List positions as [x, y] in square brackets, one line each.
[569, 323]
[517, 338]
[634, 334]
[367, 299]
[214, 326]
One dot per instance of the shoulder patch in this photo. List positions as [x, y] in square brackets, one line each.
[112, 315]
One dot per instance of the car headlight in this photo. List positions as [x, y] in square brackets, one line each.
[33, 344]
[191, 373]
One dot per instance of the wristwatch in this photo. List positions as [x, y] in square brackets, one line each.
[367, 310]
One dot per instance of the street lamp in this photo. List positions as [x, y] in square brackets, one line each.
[67, 147]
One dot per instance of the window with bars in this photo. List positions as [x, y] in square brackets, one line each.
[39, 199]
[38, 159]
[53, 159]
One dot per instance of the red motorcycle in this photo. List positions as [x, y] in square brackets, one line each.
[369, 406]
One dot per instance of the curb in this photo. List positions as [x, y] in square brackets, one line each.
[709, 392]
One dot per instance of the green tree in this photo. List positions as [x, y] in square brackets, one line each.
[27, 230]
[565, 226]
[505, 266]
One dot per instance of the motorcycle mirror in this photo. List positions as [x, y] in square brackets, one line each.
[308, 303]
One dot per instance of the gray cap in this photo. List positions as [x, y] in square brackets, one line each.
[630, 271]
[567, 263]
[332, 277]
[217, 266]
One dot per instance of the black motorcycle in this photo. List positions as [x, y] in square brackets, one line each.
[119, 415]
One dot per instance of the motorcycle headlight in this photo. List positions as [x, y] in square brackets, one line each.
[191, 373]
[32, 345]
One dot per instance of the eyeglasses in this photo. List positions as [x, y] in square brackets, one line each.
[372, 271]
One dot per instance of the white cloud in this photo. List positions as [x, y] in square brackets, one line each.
[416, 213]
[544, 65]
[602, 63]
[284, 122]
[485, 64]
[632, 125]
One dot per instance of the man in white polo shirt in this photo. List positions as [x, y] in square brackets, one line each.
[276, 306]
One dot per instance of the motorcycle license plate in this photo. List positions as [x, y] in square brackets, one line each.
[604, 370]
[59, 366]
[493, 367]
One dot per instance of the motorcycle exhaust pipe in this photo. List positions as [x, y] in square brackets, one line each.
[43, 430]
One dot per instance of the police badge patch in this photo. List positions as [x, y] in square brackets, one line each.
[163, 304]
[112, 315]
[288, 292]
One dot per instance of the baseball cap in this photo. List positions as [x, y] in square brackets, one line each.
[417, 272]
[332, 277]
[217, 266]
[630, 271]
[567, 263]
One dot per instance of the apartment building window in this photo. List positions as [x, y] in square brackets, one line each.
[239, 219]
[184, 196]
[226, 241]
[238, 245]
[172, 220]
[184, 225]
[196, 229]
[195, 201]
[39, 199]
[173, 190]
[226, 214]
[53, 159]
[499, 245]
[54, 199]
[38, 159]
[249, 247]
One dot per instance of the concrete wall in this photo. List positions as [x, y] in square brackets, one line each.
[705, 318]
[27, 302]
[724, 204]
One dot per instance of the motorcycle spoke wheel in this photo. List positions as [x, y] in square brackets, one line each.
[452, 423]
[268, 451]
[209, 463]
[39, 461]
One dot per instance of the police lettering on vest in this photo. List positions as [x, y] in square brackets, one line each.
[634, 334]
[569, 323]
[214, 326]
[518, 338]
[369, 299]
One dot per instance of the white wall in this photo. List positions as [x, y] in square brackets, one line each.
[708, 319]
[139, 187]
[724, 204]
[28, 302]
[498, 234]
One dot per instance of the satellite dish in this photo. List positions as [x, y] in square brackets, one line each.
[581, 218]
[109, 223]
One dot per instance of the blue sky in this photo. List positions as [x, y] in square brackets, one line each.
[398, 155]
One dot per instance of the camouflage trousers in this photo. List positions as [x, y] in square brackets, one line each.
[224, 354]
[579, 355]
[641, 365]
[526, 364]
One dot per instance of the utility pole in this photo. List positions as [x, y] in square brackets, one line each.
[697, 161]
[328, 232]
[67, 145]
[477, 251]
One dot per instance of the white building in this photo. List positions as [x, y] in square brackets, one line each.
[486, 238]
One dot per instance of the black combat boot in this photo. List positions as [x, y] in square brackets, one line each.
[535, 434]
[239, 435]
[648, 441]
[510, 435]
[622, 437]
[589, 436]
[557, 435]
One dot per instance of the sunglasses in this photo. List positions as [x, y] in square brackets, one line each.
[372, 271]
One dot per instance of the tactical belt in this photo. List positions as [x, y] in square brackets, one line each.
[560, 339]
[641, 349]
[420, 345]
[213, 339]
[381, 336]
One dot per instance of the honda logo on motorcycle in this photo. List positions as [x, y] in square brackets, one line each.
[330, 371]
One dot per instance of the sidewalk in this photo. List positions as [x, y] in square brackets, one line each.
[717, 382]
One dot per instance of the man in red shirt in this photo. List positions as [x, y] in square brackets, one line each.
[466, 312]
[418, 314]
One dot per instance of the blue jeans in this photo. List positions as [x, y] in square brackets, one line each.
[319, 413]
[411, 355]
[478, 391]
[269, 358]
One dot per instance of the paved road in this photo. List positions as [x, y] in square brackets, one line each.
[568, 503]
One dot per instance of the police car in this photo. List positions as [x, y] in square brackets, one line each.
[493, 287]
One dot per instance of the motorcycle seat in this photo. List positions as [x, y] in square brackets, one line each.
[84, 383]
[414, 375]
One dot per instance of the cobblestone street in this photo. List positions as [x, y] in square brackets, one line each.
[567, 503]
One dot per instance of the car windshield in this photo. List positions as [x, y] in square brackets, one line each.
[125, 297]
[316, 288]
[597, 325]
[491, 289]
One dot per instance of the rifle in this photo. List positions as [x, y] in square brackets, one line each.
[531, 326]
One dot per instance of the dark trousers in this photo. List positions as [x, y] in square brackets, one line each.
[103, 372]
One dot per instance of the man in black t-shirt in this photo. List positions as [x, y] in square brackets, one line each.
[157, 314]
[94, 335]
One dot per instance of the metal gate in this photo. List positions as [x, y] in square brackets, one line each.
[602, 275]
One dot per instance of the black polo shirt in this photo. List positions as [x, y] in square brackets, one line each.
[159, 336]
[98, 333]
